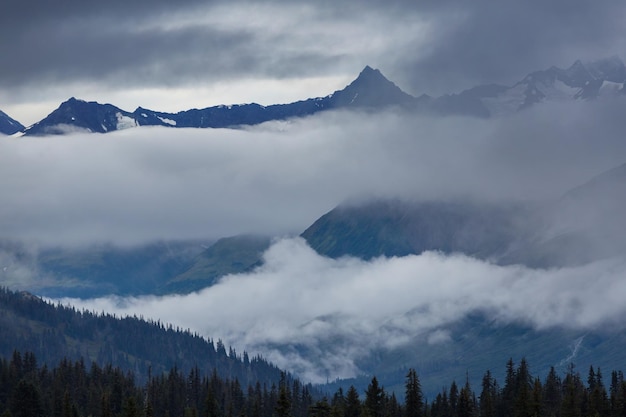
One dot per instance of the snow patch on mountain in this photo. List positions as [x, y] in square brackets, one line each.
[575, 348]
[610, 88]
[124, 122]
[166, 121]
[558, 90]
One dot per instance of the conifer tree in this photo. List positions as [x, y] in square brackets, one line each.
[130, 408]
[453, 399]
[26, 400]
[320, 409]
[67, 405]
[465, 407]
[523, 391]
[353, 403]
[413, 398]
[393, 407]
[211, 405]
[488, 396]
[374, 399]
[598, 403]
[441, 406]
[573, 393]
[283, 405]
[508, 390]
[620, 409]
[105, 406]
[338, 404]
[616, 395]
[536, 403]
[552, 394]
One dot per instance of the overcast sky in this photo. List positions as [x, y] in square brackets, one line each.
[173, 56]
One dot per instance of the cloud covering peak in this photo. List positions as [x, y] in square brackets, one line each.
[319, 317]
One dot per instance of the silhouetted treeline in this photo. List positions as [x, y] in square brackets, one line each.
[55, 332]
[520, 395]
[72, 389]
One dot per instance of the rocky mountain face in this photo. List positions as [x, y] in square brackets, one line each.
[77, 115]
[8, 125]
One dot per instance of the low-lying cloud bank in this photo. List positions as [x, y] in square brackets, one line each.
[143, 184]
[318, 316]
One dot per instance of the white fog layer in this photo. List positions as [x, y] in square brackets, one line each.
[298, 298]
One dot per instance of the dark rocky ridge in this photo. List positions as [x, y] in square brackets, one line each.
[369, 91]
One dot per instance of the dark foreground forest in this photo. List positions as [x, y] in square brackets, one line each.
[72, 389]
[54, 332]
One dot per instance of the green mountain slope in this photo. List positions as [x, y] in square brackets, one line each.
[230, 255]
[399, 228]
[583, 225]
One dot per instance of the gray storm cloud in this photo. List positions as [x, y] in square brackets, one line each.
[338, 311]
[426, 47]
[196, 42]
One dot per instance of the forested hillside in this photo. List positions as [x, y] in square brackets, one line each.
[56, 332]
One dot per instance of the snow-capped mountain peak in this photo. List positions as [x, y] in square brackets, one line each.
[76, 115]
[578, 82]
[371, 90]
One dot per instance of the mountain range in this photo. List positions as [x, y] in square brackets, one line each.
[370, 90]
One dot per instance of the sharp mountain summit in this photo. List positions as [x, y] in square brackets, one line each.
[370, 90]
